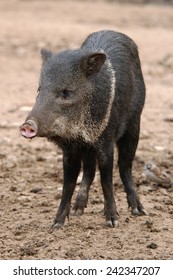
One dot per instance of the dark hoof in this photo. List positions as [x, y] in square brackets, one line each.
[112, 223]
[139, 212]
[135, 205]
[111, 218]
[56, 226]
[77, 212]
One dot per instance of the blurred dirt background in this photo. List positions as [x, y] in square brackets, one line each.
[31, 171]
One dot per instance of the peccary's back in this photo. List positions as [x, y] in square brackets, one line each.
[108, 40]
[123, 55]
[120, 49]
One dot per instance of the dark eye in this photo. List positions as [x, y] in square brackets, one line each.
[66, 93]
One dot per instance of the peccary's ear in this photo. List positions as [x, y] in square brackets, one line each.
[45, 55]
[92, 63]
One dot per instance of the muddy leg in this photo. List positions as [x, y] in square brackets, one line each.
[71, 168]
[105, 161]
[89, 167]
[127, 147]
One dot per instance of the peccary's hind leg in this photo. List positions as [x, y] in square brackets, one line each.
[105, 161]
[127, 145]
[89, 167]
[71, 168]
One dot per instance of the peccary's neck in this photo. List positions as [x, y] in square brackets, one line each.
[103, 96]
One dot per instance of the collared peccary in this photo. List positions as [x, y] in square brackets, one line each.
[90, 99]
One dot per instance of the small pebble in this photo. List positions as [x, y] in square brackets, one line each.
[152, 245]
[36, 190]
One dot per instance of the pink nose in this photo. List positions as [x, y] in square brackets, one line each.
[28, 129]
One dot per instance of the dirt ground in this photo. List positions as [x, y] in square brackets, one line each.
[31, 171]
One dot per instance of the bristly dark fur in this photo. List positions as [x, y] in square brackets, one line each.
[89, 100]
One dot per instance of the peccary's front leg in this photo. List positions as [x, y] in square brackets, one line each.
[89, 167]
[127, 145]
[105, 161]
[71, 168]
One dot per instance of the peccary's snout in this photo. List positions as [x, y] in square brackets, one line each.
[29, 129]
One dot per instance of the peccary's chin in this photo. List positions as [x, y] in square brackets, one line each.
[66, 128]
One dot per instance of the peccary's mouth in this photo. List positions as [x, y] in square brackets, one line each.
[29, 129]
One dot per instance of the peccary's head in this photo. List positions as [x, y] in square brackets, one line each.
[66, 94]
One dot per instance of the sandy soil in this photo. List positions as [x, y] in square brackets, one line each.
[31, 171]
